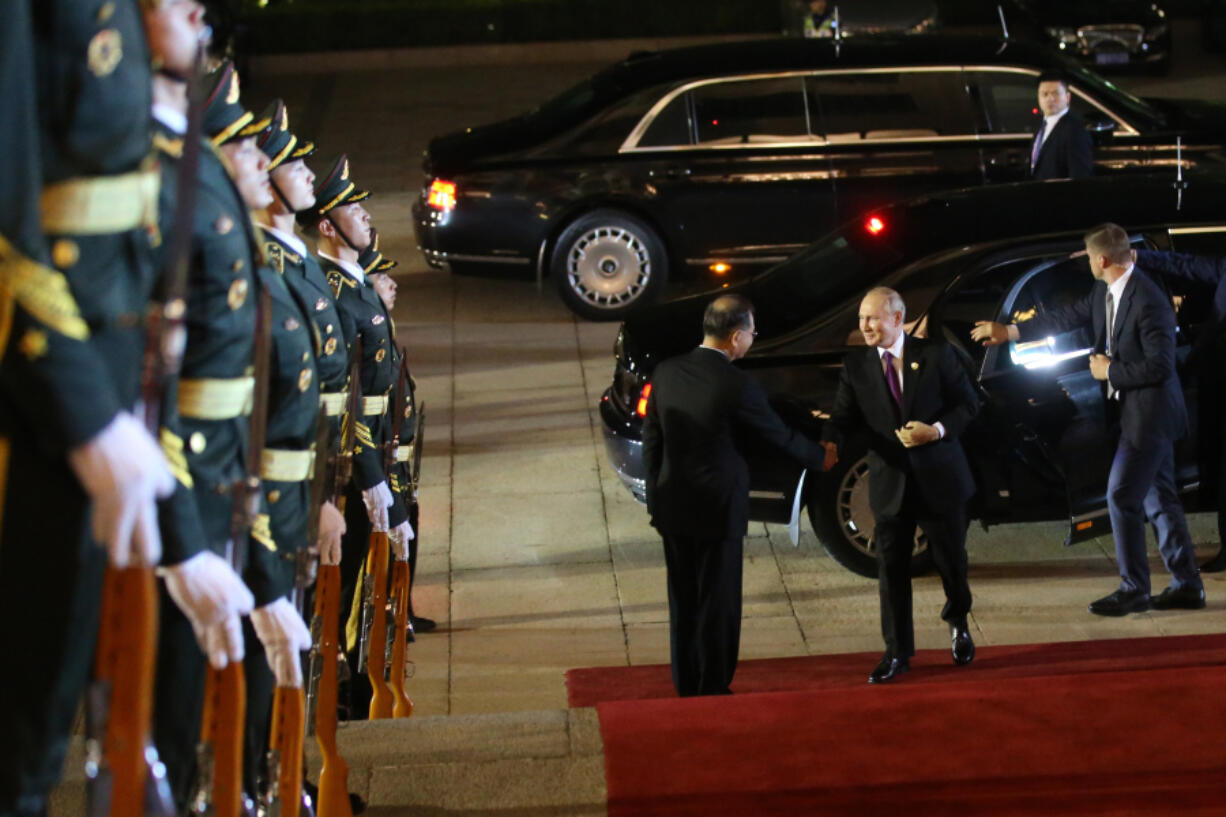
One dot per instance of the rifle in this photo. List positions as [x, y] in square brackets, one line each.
[219, 755]
[325, 659]
[402, 627]
[124, 775]
[374, 626]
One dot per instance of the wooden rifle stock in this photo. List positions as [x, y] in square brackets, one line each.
[376, 662]
[286, 739]
[221, 736]
[333, 798]
[124, 670]
[403, 706]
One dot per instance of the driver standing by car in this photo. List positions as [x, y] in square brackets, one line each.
[912, 399]
[1134, 330]
[1061, 149]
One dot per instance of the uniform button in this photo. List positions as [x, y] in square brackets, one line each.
[64, 253]
[196, 442]
[379, 355]
[304, 380]
[274, 495]
[237, 295]
[306, 356]
[237, 266]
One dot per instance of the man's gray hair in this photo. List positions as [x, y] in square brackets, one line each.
[893, 301]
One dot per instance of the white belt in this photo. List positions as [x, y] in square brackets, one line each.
[209, 398]
[374, 405]
[277, 465]
[404, 453]
[333, 402]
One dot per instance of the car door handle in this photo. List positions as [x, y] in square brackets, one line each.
[676, 172]
[1010, 159]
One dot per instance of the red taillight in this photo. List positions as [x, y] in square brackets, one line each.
[442, 195]
[874, 225]
[641, 408]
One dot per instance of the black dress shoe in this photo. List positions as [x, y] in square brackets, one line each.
[888, 669]
[421, 624]
[1185, 598]
[1121, 603]
[963, 647]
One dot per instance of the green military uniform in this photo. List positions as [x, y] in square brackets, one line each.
[77, 223]
[205, 425]
[362, 316]
[288, 461]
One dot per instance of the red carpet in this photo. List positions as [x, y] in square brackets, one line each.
[1126, 727]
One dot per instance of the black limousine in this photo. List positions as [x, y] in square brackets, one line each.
[1040, 448]
[713, 162]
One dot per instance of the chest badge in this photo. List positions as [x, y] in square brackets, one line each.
[237, 295]
[376, 320]
[380, 355]
[321, 304]
[329, 346]
[291, 324]
[304, 380]
[223, 225]
[105, 52]
[915, 365]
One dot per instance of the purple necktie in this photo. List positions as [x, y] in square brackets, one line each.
[891, 379]
[1038, 145]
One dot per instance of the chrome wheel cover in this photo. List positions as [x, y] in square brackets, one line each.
[855, 515]
[608, 267]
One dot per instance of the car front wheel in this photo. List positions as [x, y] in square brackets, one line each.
[843, 521]
[607, 264]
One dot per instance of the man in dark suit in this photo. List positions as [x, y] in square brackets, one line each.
[700, 410]
[912, 400]
[1134, 331]
[1061, 149]
[1204, 363]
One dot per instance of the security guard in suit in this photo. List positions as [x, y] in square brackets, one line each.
[78, 208]
[378, 269]
[341, 227]
[205, 427]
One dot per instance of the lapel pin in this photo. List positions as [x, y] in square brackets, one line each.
[915, 365]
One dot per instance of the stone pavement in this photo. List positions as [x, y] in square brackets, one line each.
[534, 559]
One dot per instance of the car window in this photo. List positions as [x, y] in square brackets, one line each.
[889, 105]
[975, 296]
[604, 133]
[671, 126]
[1009, 101]
[755, 111]
[1050, 287]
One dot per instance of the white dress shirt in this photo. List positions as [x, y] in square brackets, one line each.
[1049, 124]
[174, 119]
[348, 266]
[290, 240]
[896, 350]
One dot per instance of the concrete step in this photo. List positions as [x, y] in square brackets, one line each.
[513, 764]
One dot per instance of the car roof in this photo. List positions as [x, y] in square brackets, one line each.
[647, 68]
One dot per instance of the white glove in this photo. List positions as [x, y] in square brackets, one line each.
[377, 500]
[399, 538]
[284, 635]
[209, 593]
[223, 642]
[123, 471]
[331, 529]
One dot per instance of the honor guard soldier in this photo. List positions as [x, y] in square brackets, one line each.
[341, 227]
[292, 184]
[402, 479]
[205, 434]
[78, 208]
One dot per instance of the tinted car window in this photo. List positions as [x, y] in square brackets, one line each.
[1009, 101]
[672, 126]
[750, 111]
[889, 105]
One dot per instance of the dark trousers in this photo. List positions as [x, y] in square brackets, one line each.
[178, 698]
[354, 547]
[704, 611]
[50, 597]
[1142, 486]
[894, 536]
[261, 684]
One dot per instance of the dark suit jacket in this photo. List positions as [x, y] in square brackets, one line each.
[1142, 355]
[698, 413]
[1067, 153]
[935, 388]
[1206, 356]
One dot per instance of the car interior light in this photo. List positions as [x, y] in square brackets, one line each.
[442, 195]
[641, 408]
[719, 268]
[874, 225]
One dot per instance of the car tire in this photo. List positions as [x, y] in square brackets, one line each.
[839, 512]
[607, 264]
